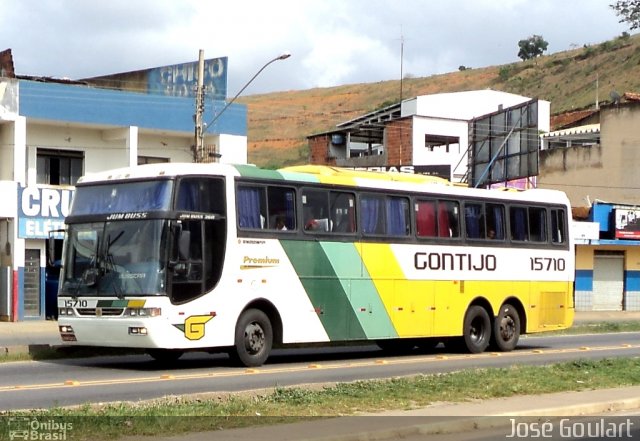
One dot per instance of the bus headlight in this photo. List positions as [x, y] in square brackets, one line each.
[65, 311]
[137, 330]
[66, 333]
[143, 312]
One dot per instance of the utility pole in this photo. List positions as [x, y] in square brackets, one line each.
[202, 128]
[597, 91]
[199, 133]
[401, 62]
[401, 79]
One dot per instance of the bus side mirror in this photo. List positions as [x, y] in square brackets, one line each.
[181, 250]
[51, 247]
[184, 245]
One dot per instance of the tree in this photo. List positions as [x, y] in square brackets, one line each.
[628, 11]
[532, 47]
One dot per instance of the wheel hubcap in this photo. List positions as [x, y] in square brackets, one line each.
[507, 328]
[254, 338]
[476, 330]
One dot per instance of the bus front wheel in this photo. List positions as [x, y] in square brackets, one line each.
[476, 329]
[253, 338]
[506, 328]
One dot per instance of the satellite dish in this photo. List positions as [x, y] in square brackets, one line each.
[615, 97]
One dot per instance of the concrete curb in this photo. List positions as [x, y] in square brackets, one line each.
[32, 349]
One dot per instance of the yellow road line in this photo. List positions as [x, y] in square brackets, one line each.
[268, 370]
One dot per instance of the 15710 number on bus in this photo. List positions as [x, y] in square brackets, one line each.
[547, 263]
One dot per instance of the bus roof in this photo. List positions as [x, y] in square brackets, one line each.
[330, 174]
[325, 175]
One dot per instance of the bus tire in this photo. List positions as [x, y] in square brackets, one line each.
[506, 328]
[476, 329]
[165, 355]
[253, 338]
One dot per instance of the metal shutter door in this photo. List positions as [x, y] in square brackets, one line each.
[608, 283]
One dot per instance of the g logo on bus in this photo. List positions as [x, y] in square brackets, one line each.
[193, 327]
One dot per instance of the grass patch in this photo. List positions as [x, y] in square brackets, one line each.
[168, 416]
[598, 328]
[45, 352]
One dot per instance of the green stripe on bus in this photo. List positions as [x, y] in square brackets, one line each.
[251, 171]
[324, 289]
[363, 296]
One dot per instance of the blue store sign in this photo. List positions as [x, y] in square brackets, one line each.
[42, 210]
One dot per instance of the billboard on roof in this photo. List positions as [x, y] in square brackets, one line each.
[174, 80]
[627, 223]
[505, 145]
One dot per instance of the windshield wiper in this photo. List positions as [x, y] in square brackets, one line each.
[110, 266]
[88, 277]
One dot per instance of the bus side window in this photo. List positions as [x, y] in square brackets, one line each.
[495, 221]
[251, 202]
[201, 195]
[397, 216]
[315, 210]
[282, 208]
[558, 226]
[372, 211]
[537, 224]
[448, 219]
[519, 222]
[474, 220]
[343, 212]
[426, 225]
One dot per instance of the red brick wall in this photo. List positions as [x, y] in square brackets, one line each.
[6, 64]
[319, 150]
[399, 144]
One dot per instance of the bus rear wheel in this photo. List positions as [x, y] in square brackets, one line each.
[506, 328]
[253, 338]
[476, 329]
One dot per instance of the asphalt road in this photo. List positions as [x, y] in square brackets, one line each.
[44, 384]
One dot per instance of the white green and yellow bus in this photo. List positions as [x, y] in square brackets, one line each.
[214, 257]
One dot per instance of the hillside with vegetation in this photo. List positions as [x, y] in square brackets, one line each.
[571, 80]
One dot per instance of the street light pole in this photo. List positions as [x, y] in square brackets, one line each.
[204, 129]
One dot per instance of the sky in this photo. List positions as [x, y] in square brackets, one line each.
[331, 42]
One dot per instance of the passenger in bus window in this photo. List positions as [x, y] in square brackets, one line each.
[314, 224]
[310, 224]
[280, 224]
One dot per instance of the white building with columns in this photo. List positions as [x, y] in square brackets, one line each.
[53, 132]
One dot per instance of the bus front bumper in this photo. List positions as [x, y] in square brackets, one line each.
[123, 333]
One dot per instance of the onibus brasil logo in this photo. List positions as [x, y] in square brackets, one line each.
[32, 429]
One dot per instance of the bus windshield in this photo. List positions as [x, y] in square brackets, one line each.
[119, 258]
[122, 197]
